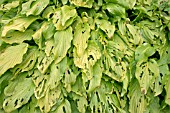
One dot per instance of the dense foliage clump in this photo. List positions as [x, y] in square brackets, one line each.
[84, 56]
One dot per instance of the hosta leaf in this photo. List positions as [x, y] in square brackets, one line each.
[46, 31]
[29, 61]
[62, 41]
[20, 24]
[23, 91]
[40, 82]
[49, 47]
[114, 52]
[48, 11]
[136, 36]
[44, 62]
[146, 73]
[48, 86]
[142, 52]
[18, 36]
[81, 36]
[57, 73]
[78, 87]
[71, 74]
[115, 9]
[82, 3]
[154, 105]
[67, 12]
[81, 103]
[9, 6]
[64, 107]
[164, 55]
[106, 26]
[148, 35]
[49, 100]
[122, 27]
[137, 100]
[167, 88]
[34, 7]
[4, 81]
[11, 56]
[125, 3]
[96, 79]
[30, 107]
[65, 17]
[90, 56]
[84, 56]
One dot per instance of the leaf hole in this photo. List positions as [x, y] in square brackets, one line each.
[64, 110]
[166, 52]
[43, 107]
[22, 100]
[51, 15]
[16, 102]
[6, 103]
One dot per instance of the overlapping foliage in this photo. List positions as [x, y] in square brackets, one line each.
[85, 56]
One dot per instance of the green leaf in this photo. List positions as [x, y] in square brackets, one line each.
[148, 35]
[34, 7]
[83, 3]
[146, 73]
[67, 12]
[40, 81]
[20, 96]
[49, 100]
[142, 52]
[48, 11]
[81, 36]
[44, 62]
[28, 62]
[81, 103]
[167, 88]
[136, 36]
[106, 26]
[4, 81]
[64, 107]
[96, 79]
[64, 1]
[9, 6]
[30, 107]
[46, 31]
[57, 73]
[62, 41]
[89, 58]
[125, 3]
[137, 101]
[71, 74]
[20, 24]
[11, 56]
[115, 9]
[18, 36]
[65, 17]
